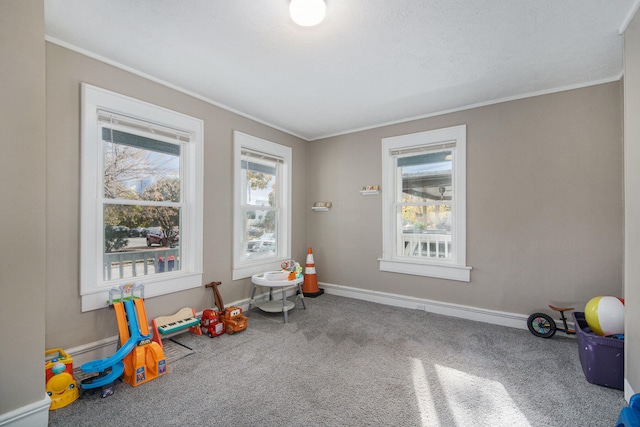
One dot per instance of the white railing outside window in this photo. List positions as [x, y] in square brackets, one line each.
[127, 265]
[426, 245]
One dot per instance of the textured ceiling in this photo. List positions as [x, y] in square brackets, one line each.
[371, 62]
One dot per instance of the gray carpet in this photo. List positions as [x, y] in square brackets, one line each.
[344, 362]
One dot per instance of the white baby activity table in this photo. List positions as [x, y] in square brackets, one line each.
[276, 279]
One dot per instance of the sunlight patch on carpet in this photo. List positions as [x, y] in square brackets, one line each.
[428, 413]
[478, 401]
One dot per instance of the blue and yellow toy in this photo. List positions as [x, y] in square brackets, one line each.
[60, 384]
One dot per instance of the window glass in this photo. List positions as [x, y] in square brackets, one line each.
[136, 173]
[260, 190]
[259, 181]
[426, 177]
[425, 204]
[135, 249]
[139, 236]
[262, 239]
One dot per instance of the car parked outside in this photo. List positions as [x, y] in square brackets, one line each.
[265, 243]
[254, 231]
[121, 230]
[155, 236]
[137, 232]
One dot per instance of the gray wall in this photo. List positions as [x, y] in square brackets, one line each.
[632, 201]
[22, 209]
[66, 325]
[544, 204]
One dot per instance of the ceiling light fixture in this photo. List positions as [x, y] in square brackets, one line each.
[307, 13]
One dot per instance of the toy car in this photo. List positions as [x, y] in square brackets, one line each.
[211, 324]
[231, 316]
[233, 320]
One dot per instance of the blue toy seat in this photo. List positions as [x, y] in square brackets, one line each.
[630, 416]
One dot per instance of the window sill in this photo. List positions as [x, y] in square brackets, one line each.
[244, 271]
[169, 283]
[459, 273]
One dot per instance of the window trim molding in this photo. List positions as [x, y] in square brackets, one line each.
[456, 269]
[243, 269]
[94, 291]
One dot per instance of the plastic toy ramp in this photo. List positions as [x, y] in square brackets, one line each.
[105, 378]
[146, 361]
[114, 362]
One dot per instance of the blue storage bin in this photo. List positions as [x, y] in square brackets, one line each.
[602, 358]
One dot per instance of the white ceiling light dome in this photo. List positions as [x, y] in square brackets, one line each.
[307, 13]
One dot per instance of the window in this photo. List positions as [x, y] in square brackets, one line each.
[424, 205]
[262, 200]
[141, 197]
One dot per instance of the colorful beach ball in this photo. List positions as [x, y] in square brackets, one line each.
[605, 315]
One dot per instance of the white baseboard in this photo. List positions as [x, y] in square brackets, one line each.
[628, 391]
[35, 414]
[512, 320]
[93, 351]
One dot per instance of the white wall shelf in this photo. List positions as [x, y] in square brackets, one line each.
[370, 190]
[321, 206]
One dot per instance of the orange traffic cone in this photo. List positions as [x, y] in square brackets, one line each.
[310, 285]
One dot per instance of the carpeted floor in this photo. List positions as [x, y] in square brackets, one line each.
[345, 362]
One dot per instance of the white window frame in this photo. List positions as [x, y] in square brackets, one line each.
[94, 290]
[454, 268]
[243, 267]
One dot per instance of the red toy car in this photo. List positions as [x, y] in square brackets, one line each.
[210, 323]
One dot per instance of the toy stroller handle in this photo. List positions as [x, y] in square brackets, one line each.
[216, 295]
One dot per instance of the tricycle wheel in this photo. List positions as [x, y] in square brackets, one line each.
[541, 325]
